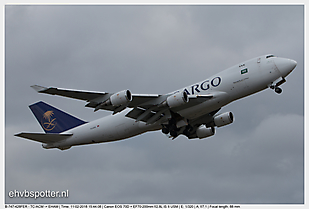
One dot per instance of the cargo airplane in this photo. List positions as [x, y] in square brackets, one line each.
[191, 111]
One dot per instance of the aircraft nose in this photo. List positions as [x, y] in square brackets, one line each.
[285, 66]
[293, 64]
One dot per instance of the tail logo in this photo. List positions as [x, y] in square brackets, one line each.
[48, 121]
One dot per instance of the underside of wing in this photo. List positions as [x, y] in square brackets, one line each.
[43, 137]
[144, 100]
[101, 100]
[161, 108]
[150, 115]
[149, 108]
[137, 100]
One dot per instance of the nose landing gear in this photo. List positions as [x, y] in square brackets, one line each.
[278, 90]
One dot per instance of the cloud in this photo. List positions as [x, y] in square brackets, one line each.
[155, 49]
[262, 168]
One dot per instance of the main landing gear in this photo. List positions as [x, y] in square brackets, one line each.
[171, 129]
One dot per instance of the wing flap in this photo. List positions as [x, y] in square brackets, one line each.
[146, 99]
[44, 138]
[136, 112]
[150, 115]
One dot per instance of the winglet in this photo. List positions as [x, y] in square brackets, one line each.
[38, 88]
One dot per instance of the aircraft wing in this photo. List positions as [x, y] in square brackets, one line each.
[153, 111]
[96, 98]
[146, 107]
[75, 94]
[43, 137]
[89, 95]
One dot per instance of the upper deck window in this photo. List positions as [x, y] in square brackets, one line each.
[271, 55]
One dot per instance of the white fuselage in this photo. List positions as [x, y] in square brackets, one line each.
[231, 84]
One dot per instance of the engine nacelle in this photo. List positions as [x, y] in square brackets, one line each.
[224, 119]
[116, 100]
[120, 98]
[203, 131]
[177, 99]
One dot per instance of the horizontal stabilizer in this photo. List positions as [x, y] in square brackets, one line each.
[44, 138]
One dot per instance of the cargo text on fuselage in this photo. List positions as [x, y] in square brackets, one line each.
[204, 86]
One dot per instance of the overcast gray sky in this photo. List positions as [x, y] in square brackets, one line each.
[155, 49]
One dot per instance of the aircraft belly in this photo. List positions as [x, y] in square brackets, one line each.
[108, 129]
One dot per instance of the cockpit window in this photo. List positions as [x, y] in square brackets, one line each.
[271, 55]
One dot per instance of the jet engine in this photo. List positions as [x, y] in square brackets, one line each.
[121, 98]
[117, 99]
[203, 131]
[177, 99]
[224, 119]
